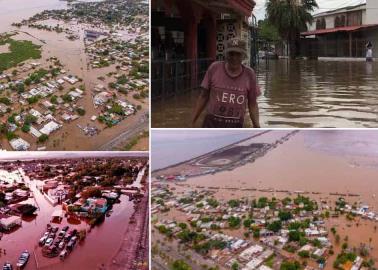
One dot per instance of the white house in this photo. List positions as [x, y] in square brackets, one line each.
[343, 32]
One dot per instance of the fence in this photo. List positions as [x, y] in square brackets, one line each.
[169, 78]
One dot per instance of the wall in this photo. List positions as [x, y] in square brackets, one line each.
[371, 12]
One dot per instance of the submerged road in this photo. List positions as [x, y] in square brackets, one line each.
[132, 131]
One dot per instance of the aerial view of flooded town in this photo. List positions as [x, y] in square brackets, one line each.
[74, 75]
[281, 199]
[74, 210]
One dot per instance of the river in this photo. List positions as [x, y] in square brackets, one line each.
[302, 94]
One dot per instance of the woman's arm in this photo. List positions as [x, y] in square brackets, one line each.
[201, 104]
[254, 113]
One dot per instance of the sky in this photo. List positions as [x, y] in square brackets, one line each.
[324, 5]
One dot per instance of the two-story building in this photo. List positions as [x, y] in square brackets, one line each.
[343, 32]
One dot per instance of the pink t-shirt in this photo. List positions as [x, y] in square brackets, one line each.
[229, 96]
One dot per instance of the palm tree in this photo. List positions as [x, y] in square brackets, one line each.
[290, 18]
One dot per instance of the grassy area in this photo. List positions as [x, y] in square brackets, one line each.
[135, 140]
[270, 261]
[19, 51]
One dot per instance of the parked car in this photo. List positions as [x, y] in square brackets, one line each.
[7, 266]
[65, 228]
[63, 254]
[42, 240]
[23, 259]
[49, 242]
[61, 245]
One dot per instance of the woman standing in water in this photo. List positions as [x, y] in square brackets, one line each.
[227, 90]
[369, 52]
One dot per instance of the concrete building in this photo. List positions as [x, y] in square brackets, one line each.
[19, 144]
[343, 32]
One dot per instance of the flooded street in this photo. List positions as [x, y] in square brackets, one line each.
[76, 62]
[300, 94]
[101, 243]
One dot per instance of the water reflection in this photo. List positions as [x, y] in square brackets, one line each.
[299, 94]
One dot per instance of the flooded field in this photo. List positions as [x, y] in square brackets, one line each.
[298, 94]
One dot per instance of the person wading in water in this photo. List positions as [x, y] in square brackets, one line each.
[228, 88]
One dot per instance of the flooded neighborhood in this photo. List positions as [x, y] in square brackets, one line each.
[72, 80]
[55, 210]
[276, 200]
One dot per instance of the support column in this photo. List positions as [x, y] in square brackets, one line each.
[211, 40]
[350, 44]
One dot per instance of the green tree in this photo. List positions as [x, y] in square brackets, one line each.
[286, 265]
[275, 226]
[290, 18]
[180, 265]
[267, 31]
[43, 138]
[235, 266]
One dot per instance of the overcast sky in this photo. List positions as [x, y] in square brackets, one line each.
[324, 5]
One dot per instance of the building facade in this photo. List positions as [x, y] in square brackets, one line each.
[343, 32]
[187, 35]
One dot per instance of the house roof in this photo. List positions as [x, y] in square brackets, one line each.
[101, 202]
[338, 29]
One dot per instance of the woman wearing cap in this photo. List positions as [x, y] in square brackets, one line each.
[227, 89]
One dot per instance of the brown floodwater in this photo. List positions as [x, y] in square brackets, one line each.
[298, 94]
[99, 246]
[321, 161]
[314, 161]
[75, 61]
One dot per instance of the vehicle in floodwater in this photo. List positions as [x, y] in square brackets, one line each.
[22, 261]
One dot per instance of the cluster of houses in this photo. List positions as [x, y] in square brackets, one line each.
[46, 121]
[108, 51]
[210, 218]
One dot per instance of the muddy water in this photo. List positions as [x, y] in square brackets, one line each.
[296, 165]
[72, 56]
[15, 10]
[298, 94]
[100, 244]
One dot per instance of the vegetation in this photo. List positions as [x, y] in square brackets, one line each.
[290, 18]
[19, 51]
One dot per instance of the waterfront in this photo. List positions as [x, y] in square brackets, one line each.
[102, 241]
[300, 94]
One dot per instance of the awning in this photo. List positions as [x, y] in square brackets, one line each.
[338, 29]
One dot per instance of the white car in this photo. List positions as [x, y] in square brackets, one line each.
[42, 240]
[49, 242]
